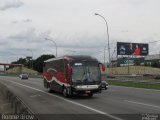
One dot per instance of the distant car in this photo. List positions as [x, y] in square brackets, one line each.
[104, 85]
[23, 76]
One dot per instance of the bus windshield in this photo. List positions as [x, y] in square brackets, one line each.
[94, 73]
[85, 73]
[77, 72]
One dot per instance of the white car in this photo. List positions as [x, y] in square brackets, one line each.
[23, 76]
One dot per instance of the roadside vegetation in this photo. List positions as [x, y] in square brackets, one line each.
[133, 76]
[30, 63]
[134, 84]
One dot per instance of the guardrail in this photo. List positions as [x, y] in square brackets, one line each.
[20, 109]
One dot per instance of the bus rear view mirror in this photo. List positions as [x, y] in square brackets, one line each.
[69, 69]
[103, 67]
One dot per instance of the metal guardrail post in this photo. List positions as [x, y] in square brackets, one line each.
[16, 106]
[12, 101]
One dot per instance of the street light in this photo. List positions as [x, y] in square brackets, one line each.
[108, 38]
[53, 42]
[32, 56]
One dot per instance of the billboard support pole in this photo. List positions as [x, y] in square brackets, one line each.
[128, 64]
[112, 64]
[117, 65]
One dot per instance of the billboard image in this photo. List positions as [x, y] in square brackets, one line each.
[138, 49]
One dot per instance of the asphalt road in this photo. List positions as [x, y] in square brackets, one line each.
[115, 103]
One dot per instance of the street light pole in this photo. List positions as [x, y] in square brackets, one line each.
[53, 42]
[107, 36]
[32, 56]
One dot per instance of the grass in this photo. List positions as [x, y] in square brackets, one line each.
[137, 85]
[11, 75]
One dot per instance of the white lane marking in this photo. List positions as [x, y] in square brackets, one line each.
[135, 88]
[87, 107]
[154, 106]
[32, 96]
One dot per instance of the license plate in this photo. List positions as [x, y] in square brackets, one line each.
[88, 91]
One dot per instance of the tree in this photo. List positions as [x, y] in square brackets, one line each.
[38, 63]
[20, 61]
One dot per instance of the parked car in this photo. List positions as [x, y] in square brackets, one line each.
[104, 85]
[23, 76]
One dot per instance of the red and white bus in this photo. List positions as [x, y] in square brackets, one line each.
[73, 75]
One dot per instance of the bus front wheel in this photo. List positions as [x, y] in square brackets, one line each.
[49, 88]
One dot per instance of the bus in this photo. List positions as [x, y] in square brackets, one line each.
[70, 75]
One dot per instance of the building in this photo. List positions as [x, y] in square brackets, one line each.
[148, 59]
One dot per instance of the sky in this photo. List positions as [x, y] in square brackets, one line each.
[72, 25]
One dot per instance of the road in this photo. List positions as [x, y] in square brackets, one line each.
[116, 103]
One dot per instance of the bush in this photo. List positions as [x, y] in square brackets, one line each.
[155, 63]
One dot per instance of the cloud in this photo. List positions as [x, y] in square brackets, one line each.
[22, 35]
[6, 4]
[124, 31]
[24, 39]
[29, 38]
[2, 43]
[75, 28]
[27, 20]
[15, 22]
[16, 45]
[22, 21]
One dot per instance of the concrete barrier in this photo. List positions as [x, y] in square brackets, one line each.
[14, 105]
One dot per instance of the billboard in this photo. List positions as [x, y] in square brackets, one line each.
[124, 61]
[138, 49]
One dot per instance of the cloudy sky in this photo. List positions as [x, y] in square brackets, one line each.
[73, 26]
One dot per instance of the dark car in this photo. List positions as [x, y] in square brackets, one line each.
[104, 85]
[23, 76]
